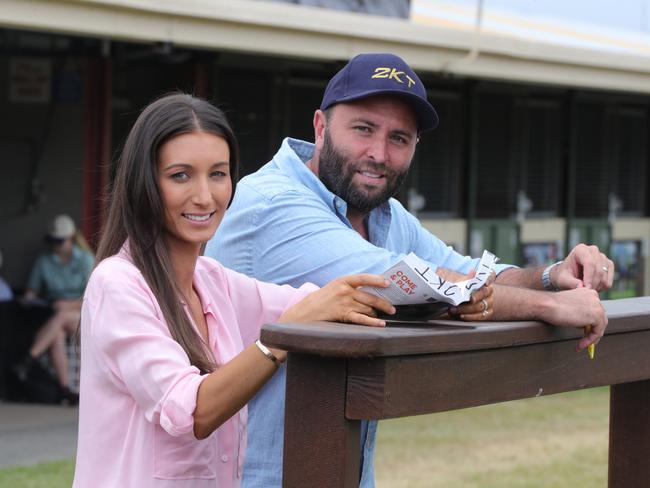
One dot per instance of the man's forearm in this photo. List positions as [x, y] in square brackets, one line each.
[579, 307]
[523, 277]
[521, 303]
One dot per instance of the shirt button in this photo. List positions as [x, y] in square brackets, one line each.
[224, 458]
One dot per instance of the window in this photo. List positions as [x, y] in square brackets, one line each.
[438, 163]
[246, 97]
[519, 148]
[591, 185]
[611, 151]
[539, 145]
[496, 171]
[304, 97]
[630, 159]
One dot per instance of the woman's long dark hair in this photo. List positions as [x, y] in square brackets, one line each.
[135, 210]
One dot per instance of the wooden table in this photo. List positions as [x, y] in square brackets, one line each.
[338, 374]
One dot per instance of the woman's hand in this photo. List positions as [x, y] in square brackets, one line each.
[243, 376]
[479, 307]
[481, 304]
[341, 301]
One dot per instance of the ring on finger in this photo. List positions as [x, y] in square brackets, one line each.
[485, 305]
[484, 313]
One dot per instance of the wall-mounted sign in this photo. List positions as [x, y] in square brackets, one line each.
[539, 253]
[30, 80]
[628, 277]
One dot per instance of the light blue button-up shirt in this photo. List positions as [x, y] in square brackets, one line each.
[285, 226]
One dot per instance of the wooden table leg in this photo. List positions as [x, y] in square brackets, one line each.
[321, 446]
[629, 435]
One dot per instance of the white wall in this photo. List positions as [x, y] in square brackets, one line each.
[451, 231]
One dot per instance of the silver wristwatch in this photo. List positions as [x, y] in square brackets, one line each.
[546, 278]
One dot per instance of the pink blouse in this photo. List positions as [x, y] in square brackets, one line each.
[138, 389]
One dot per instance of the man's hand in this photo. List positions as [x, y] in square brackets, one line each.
[585, 266]
[576, 308]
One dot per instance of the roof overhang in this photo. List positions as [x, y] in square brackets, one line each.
[281, 29]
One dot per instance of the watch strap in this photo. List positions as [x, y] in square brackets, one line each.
[546, 278]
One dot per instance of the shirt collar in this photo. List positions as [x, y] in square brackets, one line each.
[200, 287]
[197, 278]
[294, 155]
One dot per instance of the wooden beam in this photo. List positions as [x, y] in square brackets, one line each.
[411, 385]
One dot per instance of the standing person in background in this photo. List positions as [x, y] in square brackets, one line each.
[169, 356]
[59, 278]
[319, 210]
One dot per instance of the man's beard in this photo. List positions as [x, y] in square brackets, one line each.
[336, 173]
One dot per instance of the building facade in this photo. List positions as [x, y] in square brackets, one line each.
[543, 140]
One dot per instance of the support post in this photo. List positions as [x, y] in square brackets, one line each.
[629, 435]
[321, 446]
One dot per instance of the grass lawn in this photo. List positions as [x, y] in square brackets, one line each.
[46, 475]
[549, 442]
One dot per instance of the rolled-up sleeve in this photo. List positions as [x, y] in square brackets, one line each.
[134, 345]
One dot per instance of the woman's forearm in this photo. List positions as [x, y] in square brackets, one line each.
[229, 388]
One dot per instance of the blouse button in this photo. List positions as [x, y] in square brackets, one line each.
[224, 458]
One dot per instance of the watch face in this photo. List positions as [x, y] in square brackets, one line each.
[546, 278]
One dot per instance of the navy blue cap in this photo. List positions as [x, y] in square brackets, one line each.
[371, 74]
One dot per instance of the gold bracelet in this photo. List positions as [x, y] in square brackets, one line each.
[266, 351]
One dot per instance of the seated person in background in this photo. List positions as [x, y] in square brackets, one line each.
[6, 294]
[58, 277]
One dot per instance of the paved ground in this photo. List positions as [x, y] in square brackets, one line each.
[31, 434]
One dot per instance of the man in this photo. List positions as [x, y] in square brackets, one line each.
[318, 211]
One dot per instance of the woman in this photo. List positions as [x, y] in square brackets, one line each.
[59, 277]
[168, 338]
